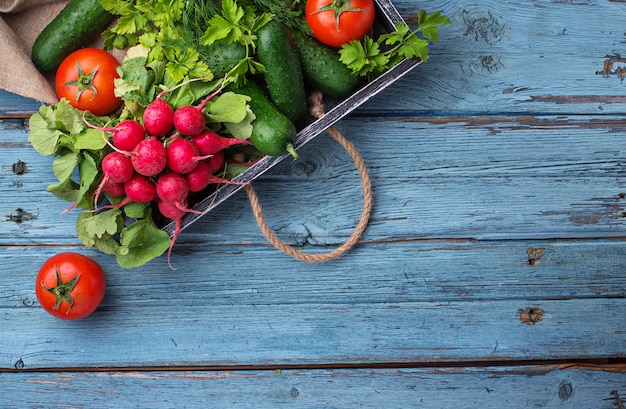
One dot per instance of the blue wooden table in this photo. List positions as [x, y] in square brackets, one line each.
[492, 273]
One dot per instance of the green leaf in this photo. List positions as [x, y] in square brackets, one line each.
[64, 166]
[69, 118]
[260, 21]
[363, 57]
[176, 71]
[114, 40]
[228, 107]
[232, 12]
[135, 210]
[120, 7]
[66, 190]
[234, 169]
[107, 244]
[143, 241]
[243, 129]
[414, 47]
[88, 171]
[90, 139]
[135, 79]
[43, 136]
[131, 23]
[433, 19]
[396, 36]
[99, 230]
[219, 28]
[92, 226]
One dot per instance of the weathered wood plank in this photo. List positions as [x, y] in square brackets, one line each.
[488, 388]
[470, 177]
[402, 302]
[544, 56]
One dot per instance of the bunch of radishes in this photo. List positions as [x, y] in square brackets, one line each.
[162, 161]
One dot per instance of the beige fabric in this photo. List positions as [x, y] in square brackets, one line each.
[21, 21]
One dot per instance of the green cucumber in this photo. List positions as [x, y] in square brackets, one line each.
[322, 69]
[220, 57]
[283, 73]
[73, 28]
[273, 133]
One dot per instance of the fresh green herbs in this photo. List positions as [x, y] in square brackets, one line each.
[170, 31]
[371, 57]
[239, 25]
[156, 26]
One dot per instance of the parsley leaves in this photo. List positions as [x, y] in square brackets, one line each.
[370, 57]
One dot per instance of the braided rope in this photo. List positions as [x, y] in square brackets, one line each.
[317, 110]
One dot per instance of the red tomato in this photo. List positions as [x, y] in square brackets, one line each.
[70, 286]
[336, 22]
[86, 78]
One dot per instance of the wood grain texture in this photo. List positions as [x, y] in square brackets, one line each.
[475, 178]
[394, 303]
[509, 56]
[490, 388]
[521, 57]
[496, 244]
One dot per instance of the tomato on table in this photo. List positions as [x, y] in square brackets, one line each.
[70, 286]
[336, 22]
[86, 79]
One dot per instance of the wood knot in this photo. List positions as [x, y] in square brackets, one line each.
[19, 168]
[534, 255]
[531, 316]
[20, 215]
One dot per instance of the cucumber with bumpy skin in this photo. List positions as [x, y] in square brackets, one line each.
[283, 73]
[71, 29]
[273, 133]
[221, 58]
[323, 70]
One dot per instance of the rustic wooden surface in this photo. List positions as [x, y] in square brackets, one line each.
[492, 274]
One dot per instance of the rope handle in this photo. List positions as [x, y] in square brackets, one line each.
[317, 110]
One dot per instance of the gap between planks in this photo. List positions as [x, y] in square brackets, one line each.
[615, 365]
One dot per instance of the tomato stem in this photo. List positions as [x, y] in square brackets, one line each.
[62, 291]
[338, 7]
[84, 82]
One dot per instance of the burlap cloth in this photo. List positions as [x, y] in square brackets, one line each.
[21, 21]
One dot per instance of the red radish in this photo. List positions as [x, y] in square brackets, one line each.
[113, 189]
[198, 178]
[210, 142]
[173, 188]
[158, 117]
[216, 161]
[182, 156]
[117, 168]
[138, 189]
[172, 212]
[201, 177]
[189, 120]
[149, 157]
[126, 135]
